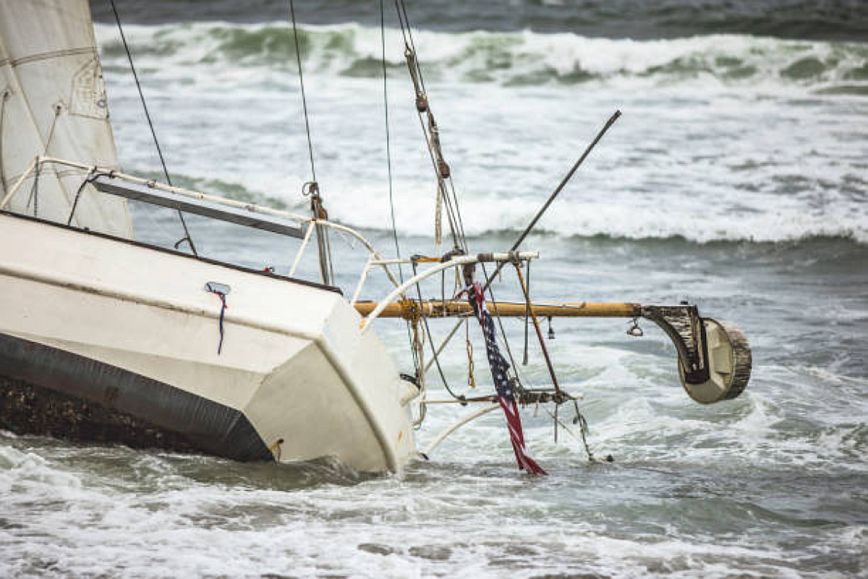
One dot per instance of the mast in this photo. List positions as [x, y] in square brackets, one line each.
[53, 102]
[311, 188]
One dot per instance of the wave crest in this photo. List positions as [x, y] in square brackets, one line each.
[509, 58]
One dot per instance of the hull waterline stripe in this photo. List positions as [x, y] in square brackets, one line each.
[183, 420]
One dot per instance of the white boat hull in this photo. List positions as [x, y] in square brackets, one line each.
[130, 330]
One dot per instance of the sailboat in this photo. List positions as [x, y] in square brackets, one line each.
[106, 338]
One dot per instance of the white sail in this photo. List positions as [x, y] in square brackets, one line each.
[53, 103]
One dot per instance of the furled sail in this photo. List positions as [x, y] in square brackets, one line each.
[53, 103]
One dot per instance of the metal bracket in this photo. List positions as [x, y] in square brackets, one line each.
[686, 329]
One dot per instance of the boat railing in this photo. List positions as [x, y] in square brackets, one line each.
[102, 175]
[681, 323]
[453, 262]
[114, 182]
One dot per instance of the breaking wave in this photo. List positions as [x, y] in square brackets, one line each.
[508, 58]
[699, 185]
[366, 205]
[613, 220]
[827, 20]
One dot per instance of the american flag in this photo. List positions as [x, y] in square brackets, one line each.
[502, 385]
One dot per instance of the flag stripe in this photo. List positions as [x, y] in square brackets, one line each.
[505, 396]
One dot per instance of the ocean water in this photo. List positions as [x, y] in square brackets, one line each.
[737, 179]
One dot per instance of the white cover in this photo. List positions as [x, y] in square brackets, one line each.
[55, 105]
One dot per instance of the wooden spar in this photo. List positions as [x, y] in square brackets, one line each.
[542, 343]
[451, 308]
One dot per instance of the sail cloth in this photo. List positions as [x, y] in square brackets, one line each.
[55, 105]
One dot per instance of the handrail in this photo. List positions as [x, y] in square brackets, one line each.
[455, 261]
[375, 258]
[39, 161]
[17, 184]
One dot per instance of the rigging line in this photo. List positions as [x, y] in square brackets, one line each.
[187, 236]
[557, 190]
[407, 32]
[451, 204]
[427, 134]
[527, 312]
[34, 191]
[3, 98]
[401, 22]
[431, 344]
[449, 214]
[448, 203]
[539, 214]
[389, 167]
[458, 210]
[389, 138]
[542, 344]
[402, 7]
[582, 431]
[322, 235]
[301, 84]
[457, 235]
[89, 178]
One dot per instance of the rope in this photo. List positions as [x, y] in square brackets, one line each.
[433, 349]
[34, 190]
[48, 141]
[471, 379]
[445, 193]
[389, 138]
[322, 236]
[582, 430]
[406, 19]
[186, 237]
[3, 98]
[303, 95]
[438, 220]
[527, 312]
[542, 344]
[615, 116]
[417, 344]
[92, 174]
[416, 363]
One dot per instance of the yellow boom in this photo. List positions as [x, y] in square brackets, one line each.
[446, 308]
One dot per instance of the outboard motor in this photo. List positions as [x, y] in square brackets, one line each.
[729, 364]
[714, 358]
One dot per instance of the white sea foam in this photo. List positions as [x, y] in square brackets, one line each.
[522, 57]
[723, 138]
[702, 152]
